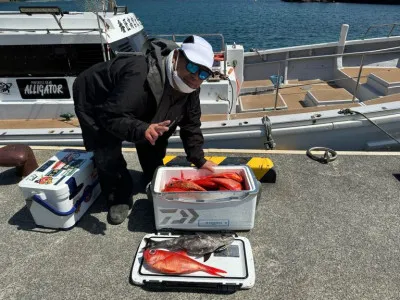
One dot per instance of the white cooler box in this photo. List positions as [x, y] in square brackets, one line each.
[203, 211]
[237, 260]
[60, 191]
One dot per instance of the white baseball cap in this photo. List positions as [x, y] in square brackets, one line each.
[199, 51]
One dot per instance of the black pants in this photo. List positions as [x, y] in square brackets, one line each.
[115, 179]
[151, 157]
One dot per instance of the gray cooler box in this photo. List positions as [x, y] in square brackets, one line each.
[204, 211]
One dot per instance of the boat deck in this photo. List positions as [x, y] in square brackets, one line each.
[256, 83]
[388, 74]
[384, 99]
[292, 99]
[322, 231]
[38, 123]
[265, 102]
[295, 95]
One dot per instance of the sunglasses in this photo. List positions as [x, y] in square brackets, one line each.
[193, 68]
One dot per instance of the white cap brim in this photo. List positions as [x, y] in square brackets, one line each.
[200, 52]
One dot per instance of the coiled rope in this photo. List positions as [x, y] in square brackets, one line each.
[328, 156]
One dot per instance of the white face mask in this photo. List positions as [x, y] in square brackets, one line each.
[174, 80]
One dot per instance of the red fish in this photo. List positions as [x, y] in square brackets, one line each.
[227, 183]
[229, 175]
[168, 262]
[173, 189]
[184, 185]
[206, 183]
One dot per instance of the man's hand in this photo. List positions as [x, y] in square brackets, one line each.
[156, 130]
[209, 165]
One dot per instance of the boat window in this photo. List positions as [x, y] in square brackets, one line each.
[48, 60]
[133, 43]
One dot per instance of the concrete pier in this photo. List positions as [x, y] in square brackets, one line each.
[322, 231]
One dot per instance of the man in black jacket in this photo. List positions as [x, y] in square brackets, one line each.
[142, 99]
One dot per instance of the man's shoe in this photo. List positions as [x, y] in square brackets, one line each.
[118, 213]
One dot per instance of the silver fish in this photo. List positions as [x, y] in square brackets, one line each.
[198, 244]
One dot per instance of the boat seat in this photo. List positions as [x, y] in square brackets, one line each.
[254, 86]
[384, 99]
[295, 94]
[261, 102]
[388, 73]
[19, 156]
[374, 82]
[214, 117]
[257, 83]
[328, 97]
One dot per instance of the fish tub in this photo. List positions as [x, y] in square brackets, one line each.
[236, 260]
[60, 191]
[204, 210]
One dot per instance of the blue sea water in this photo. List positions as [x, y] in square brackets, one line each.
[261, 24]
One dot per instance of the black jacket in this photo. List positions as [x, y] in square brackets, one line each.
[124, 95]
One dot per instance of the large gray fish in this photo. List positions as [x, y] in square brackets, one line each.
[198, 244]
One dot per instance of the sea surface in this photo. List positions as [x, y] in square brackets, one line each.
[257, 24]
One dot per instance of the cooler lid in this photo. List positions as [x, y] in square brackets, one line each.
[237, 260]
[55, 172]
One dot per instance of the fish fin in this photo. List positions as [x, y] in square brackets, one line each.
[213, 271]
[207, 256]
[222, 248]
[149, 243]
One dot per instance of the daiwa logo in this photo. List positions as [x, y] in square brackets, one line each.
[179, 216]
[5, 87]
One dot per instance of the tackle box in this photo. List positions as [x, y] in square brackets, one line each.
[237, 260]
[60, 191]
[204, 210]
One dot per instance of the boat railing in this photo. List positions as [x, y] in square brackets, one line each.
[370, 52]
[362, 54]
[82, 30]
[392, 26]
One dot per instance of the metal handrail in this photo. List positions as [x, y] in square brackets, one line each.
[371, 52]
[10, 13]
[358, 79]
[381, 25]
[47, 29]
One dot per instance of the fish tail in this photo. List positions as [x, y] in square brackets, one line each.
[213, 271]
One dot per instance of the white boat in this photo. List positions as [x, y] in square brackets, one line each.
[308, 103]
